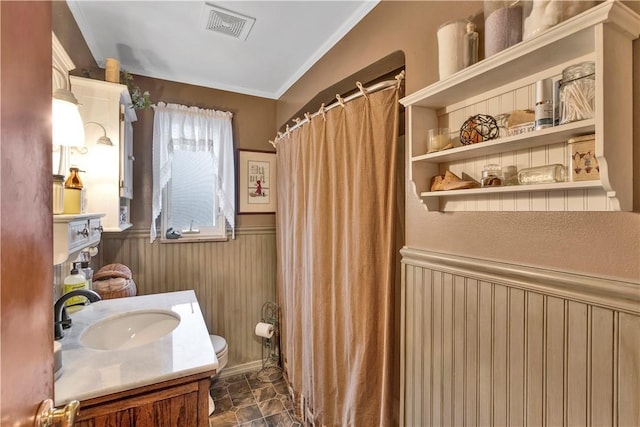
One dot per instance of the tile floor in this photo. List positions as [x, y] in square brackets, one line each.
[246, 400]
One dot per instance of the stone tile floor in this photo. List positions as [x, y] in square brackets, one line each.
[247, 400]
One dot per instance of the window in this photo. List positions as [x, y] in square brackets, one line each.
[190, 205]
[193, 173]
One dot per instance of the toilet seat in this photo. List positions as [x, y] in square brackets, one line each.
[221, 349]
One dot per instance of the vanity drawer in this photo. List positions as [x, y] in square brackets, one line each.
[78, 234]
[72, 233]
[95, 231]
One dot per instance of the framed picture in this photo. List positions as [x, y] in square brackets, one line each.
[256, 182]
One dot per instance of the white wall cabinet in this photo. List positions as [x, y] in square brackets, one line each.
[505, 82]
[108, 170]
[73, 233]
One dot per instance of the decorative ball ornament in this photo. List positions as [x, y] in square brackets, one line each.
[478, 128]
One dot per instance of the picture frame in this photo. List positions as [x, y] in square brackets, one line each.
[256, 182]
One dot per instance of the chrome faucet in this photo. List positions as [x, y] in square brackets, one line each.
[60, 317]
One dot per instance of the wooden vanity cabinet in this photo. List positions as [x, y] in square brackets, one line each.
[182, 402]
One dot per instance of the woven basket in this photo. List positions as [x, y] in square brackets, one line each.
[115, 287]
[114, 281]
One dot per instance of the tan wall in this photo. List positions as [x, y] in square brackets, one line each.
[596, 243]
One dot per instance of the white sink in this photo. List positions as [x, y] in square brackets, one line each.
[129, 330]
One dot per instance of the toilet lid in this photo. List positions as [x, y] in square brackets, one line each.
[219, 343]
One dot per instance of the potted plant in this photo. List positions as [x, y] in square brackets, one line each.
[139, 100]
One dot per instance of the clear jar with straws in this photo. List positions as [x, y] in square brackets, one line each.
[578, 92]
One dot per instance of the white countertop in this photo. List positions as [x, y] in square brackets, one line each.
[89, 373]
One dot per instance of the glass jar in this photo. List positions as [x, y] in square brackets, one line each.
[547, 174]
[509, 175]
[450, 37]
[491, 176]
[58, 194]
[578, 92]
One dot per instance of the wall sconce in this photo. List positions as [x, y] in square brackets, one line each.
[104, 139]
[66, 123]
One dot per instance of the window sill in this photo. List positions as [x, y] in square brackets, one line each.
[192, 239]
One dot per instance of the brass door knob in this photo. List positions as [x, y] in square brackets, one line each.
[48, 415]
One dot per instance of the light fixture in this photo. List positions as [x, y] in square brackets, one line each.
[66, 121]
[104, 139]
[67, 129]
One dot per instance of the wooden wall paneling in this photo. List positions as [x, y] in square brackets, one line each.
[626, 406]
[472, 338]
[459, 350]
[577, 364]
[485, 353]
[407, 341]
[482, 351]
[448, 352]
[437, 355]
[554, 356]
[516, 360]
[422, 299]
[601, 369]
[534, 358]
[500, 355]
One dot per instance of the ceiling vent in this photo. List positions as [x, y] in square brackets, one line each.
[226, 22]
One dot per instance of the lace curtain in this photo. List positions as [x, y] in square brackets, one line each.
[194, 129]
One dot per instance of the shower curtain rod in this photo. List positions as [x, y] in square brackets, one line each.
[341, 101]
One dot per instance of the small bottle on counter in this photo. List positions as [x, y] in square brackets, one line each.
[470, 46]
[544, 104]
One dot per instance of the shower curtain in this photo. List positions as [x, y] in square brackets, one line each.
[336, 223]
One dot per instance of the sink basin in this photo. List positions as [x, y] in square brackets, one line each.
[128, 330]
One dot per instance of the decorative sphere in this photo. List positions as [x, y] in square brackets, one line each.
[478, 128]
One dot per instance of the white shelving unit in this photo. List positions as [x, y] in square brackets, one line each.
[108, 171]
[505, 82]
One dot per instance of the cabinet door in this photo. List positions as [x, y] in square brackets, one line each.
[126, 160]
[172, 407]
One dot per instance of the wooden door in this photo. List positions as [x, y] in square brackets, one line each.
[26, 246]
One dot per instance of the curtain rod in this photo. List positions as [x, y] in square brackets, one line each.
[341, 101]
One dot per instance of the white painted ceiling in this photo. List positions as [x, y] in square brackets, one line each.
[167, 40]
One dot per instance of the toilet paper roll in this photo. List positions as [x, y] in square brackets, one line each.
[264, 330]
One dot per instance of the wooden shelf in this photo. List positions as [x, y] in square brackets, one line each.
[516, 142]
[579, 185]
[505, 82]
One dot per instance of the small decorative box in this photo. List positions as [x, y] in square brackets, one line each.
[582, 164]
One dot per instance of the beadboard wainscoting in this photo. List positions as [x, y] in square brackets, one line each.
[231, 279]
[488, 343]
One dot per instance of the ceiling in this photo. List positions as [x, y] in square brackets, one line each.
[168, 39]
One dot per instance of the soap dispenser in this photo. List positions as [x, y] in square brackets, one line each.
[74, 193]
[75, 280]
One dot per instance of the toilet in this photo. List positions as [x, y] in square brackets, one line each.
[221, 349]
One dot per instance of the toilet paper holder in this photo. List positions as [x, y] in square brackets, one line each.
[271, 369]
